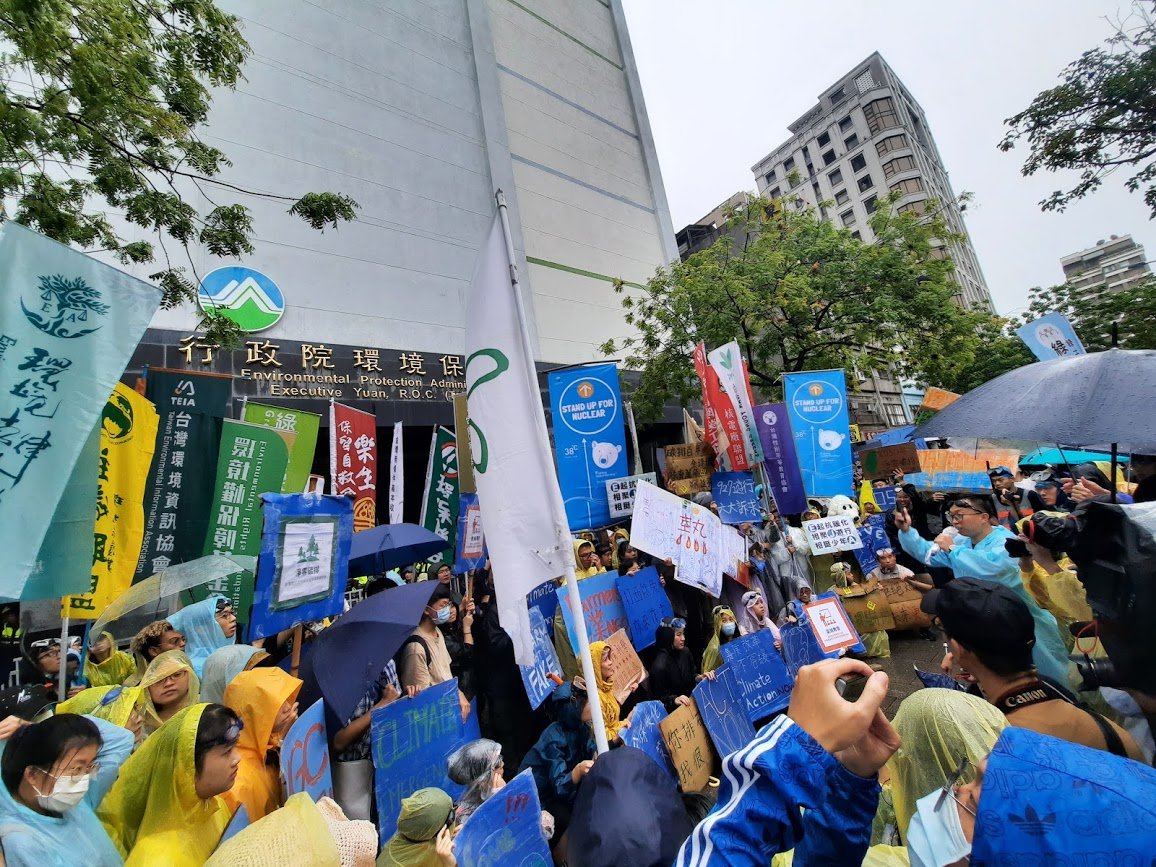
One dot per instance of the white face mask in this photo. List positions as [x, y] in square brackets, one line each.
[66, 794]
[935, 837]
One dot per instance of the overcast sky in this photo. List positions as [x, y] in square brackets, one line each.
[723, 78]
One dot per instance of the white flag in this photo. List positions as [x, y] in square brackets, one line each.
[396, 478]
[522, 509]
[727, 362]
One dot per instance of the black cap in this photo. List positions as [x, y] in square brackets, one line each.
[982, 615]
[25, 701]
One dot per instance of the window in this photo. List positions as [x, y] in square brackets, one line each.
[788, 164]
[851, 142]
[865, 183]
[835, 178]
[858, 163]
[908, 186]
[824, 140]
[845, 124]
[848, 217]
[869, 205]
[891, 143]
[841, 197]
[899, 164]
[880, 114]
[919, 208]
[856, 235]
[774, 194]
[838, 95]
[770, 176]
[828, 157]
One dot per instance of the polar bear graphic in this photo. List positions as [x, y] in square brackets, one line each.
[829, 440]
[605, 454]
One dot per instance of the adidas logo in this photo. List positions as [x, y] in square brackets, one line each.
[1033, 823]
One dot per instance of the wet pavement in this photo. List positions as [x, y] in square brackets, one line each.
[907, 649]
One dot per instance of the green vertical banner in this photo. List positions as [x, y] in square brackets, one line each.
[294, 421]
[439, 505]
[251, 462]
[180, 484]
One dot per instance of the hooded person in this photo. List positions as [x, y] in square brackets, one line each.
[169, 686]
[105, 665]
[204, 626]
[562, 755]
[225, 664]
[628, 812]
[726, 628]
[266, 701]
[54, 774]
[478, 766]
[586, 562]
[295, 834]
[586, 565]
[165, 807]
[423, 823]
[672, 674]
[600, 652]
[120, 705]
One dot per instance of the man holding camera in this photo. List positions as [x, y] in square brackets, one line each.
[978, 551]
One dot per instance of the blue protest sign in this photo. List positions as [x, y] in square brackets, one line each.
[589, 440]
[779, 458]
[237, 824]
[1051, 336]
[800, 647]
[817, 410]
[545, 600]
[601, 607]
[646, 604]
[939, 680]
[950, 481]
[760, 673]
[885, 497]
[645, 735]
[305, 755]
[874, 536]
[506, 829]
[412, 738]
[470, 547]
[723, 712]
[536, 677]
[304, 562]
[734, 494]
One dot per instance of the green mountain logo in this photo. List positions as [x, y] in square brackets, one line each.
[244, 295]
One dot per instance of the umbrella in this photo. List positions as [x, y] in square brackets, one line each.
[1087, 400]
[380, 549]
[1059, 456]
[350, 655]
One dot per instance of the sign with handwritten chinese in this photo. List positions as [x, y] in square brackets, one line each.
[601, 607]
[626, 671]
[536, 678]
[734, 494]
[644, 734]
[506, 829]
[688, 743]
[305, 755]
[620, 493]
[353, 461]
[646, 604]
[827, 535]
[760, 673]
[723, 711]
[688, 534]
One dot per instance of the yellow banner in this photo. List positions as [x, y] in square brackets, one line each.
[128, 435]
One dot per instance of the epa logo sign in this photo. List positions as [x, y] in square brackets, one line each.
[246, 296]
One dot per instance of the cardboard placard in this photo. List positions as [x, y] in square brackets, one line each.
[879, 463]
[685, 487]
[898, 591]
[800, 647]
[936, 399]
[601, 607]
[759, 671]
[646, 604]
[869, 612]
[687, 451]
[907, 615]
[688, 743]
[735, 498]
[626, 670]
[723, 712]
[644, 734]
[828, 535]
[536, 678]
[305, 755]
[951, 481]
[689, 534]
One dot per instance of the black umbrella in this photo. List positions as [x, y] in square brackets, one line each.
[379, 549]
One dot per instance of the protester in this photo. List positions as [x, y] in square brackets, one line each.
[725, 630]
[627, 558]
[207, 626]
[672, 673]
[169, 686]
[978, 552]
[890, 570]
[55, 773]
[796, 610]
[1143, 471]
[423, 837]
[424, 659]
[155, 639]
[266, 701]
[603, 656]
[223, 665]
[165, 807]
[791, 556]
[458, 634]
[908, 499]
[563, 754]
[105, 665]
[756, 606]
[120, 705]
[991, 635]
[586, 558]
[352, 745]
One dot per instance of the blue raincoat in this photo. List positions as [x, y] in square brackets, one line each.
[989, 561]
[77, 837]
[1047, 801]
[198, 623]
[758, 815]
[562, 745]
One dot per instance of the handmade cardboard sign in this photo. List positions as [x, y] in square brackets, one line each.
[881, 462]
[723, 711]
[760, 673]
[305, 755]
[505, 829]
[646, 604]
[626, 670]
[688, 743]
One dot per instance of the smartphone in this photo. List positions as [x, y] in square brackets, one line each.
[1016, 548]
[851, 687]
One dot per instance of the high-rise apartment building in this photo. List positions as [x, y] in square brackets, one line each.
[1115, 265]
[868, 137]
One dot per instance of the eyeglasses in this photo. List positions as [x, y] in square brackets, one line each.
[949, 787]
[93, 768]
[956, 516]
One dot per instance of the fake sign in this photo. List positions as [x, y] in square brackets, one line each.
[305, 755]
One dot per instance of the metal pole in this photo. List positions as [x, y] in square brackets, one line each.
[575, 601]
[62, 688]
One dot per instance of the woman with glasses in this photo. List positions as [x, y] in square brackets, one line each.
[54, 774]
[169, 686]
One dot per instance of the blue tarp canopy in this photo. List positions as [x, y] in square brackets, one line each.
[1059, 457]
[892, 437]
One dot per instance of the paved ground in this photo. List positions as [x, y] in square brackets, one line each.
[907, 649]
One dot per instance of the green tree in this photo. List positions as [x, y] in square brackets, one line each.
[799, 293]
[1100, 118]
[999, 350]
[102, 103]
[1093, 314]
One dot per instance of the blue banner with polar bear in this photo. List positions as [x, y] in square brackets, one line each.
[817, 410]
[589, 440]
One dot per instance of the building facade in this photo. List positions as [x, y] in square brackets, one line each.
[866, 138]
[1113, 265]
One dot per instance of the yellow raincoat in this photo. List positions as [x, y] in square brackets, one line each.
[257, 697]
[611, 709]
[114, 671]
[152, 813]
[116, 704]
[168, 663]
[712, 656]
[571, 668]
[295, 834]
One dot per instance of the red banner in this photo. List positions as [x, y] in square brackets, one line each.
[720, 421]
[353, 461]
[709, 421]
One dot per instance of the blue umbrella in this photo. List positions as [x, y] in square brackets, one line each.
[350, 655]
[380, 549]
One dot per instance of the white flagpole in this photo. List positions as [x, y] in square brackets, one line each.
[575, 601]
